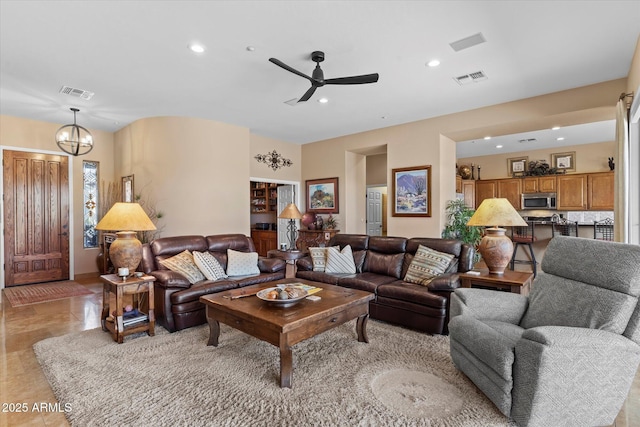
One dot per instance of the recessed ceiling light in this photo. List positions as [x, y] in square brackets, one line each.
[383, 117]
[196, 47]
[323, 100]
[251, 48]
[560, 138]
[487, 138]
[498, 146]
[555, 128]
[433, 63]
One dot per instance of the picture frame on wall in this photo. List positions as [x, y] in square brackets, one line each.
[564, 162]
[517, 166]
[322, 195]
[127, 189]
[411, 190]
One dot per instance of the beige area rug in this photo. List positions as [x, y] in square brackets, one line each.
[44, 292]
[401, 378]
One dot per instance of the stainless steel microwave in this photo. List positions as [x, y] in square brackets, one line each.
[538, 201]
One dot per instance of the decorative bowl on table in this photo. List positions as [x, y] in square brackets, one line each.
[282, 295]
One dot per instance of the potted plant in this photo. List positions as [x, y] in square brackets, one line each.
[458, 214]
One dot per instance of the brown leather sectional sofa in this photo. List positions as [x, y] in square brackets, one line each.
[381, 264]
[177, 304]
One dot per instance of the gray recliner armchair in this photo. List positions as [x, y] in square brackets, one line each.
[567, 354]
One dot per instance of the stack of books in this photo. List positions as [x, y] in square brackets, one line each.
[310, 289]
[133, 317]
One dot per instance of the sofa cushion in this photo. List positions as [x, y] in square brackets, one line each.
[340, 261]
[412, 293]
[387, 264]
[364, 281]
[427, 264]
[209, 266]
[183, 263]
[242, 263]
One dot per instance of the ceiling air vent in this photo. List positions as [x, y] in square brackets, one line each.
[78, 93]
[467, 42]
[475, 77]
[526, 140]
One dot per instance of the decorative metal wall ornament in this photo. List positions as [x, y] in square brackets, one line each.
[274, 160]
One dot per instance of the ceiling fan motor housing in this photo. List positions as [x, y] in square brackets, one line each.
[317, 56]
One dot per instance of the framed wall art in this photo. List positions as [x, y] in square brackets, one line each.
[564, 161]
[517, 166]
[322, 195]
[411, 190]
[127, 188]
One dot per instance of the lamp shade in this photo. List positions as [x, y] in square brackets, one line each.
[495, 247]
[290, 212]
[126, 250]
[496, 213]
[126, 216]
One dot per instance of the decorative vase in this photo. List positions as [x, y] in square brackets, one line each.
[126, 250]
[496, 249]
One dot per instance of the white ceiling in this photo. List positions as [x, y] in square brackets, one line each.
[134, 56]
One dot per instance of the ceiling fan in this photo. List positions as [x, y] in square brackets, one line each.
[317, 78]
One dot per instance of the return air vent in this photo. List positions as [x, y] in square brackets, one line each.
[526, 140]
[77, 93]
[471, 78]
[467, 42]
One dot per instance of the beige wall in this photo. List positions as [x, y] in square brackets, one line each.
[589, 158]
[432, 141]
[262, 145]
[377, 169]
[19, 133]
[196, 170]
[633, 81]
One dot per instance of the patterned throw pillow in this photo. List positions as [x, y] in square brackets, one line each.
[319, 257]
[183, 263]
[340, 262]
[242, 263]
[209, 265]
[427, 264]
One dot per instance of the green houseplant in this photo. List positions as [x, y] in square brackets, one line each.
[458, 214]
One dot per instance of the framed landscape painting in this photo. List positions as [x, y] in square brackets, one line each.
[411, 191]
[322, 195]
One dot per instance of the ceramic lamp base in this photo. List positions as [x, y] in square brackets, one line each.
[496, 249]
[126, 250]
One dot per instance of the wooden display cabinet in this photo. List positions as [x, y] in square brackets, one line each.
[314, 238]
[263, 197]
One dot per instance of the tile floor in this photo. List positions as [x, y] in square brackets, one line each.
[22, 380]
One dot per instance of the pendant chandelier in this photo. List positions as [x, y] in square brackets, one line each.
[74, 139]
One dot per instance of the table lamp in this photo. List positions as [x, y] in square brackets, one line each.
[126, 250]
[291, 213]
[495, 247]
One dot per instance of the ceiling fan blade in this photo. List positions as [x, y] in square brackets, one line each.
[308, 94]
[353, 80]
[288, 68]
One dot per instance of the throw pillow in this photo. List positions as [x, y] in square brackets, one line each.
[183, 263]
[319, 257]
[340, 261]
[242, 263]
[427, 264]
[209, 265]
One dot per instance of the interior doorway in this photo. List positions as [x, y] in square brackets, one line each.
[376, 210]
[284, 191]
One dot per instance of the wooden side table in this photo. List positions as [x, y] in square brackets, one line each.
[289, 257]
[136, 286]
[518, 282]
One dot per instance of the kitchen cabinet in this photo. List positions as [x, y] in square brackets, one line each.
[469, 192]
[539, 184]
[572, 192]
[600, 189]
[486, 190]
[510, 189]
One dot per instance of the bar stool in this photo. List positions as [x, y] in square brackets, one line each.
[603, 230]
[565, 228]
[524, 236]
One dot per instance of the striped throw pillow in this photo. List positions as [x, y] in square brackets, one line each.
[209, 265]
[183, 263]
[340, 261]
[427, 264]
[319, 257]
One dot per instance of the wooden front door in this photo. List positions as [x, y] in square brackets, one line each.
[36, 217]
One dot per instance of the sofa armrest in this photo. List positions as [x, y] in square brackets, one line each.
[304, 264]
[485, 304]
[170, 279]
[271, 265]
[445, 282]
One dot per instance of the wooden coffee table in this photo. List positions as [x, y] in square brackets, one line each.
[285, 327]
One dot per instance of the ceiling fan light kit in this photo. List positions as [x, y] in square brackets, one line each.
[317, 77]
